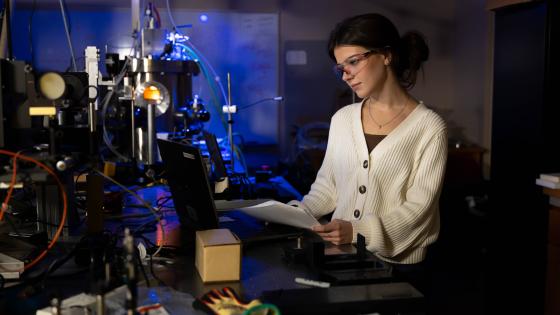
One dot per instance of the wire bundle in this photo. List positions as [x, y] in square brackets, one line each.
[15, 156]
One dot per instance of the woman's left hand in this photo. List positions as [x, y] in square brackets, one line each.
[337, 231]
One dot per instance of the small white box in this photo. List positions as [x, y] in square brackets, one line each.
[10, 268]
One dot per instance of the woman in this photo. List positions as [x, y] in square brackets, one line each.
[384, 164]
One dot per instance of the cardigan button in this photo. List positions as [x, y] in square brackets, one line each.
[362, 189]
[356, 213]
[366, 164]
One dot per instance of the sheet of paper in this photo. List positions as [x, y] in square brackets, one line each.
[236, 204]
[277, 212]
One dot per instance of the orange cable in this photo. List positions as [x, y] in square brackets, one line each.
[64, 201]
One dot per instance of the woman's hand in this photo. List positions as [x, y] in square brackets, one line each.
[337, 231]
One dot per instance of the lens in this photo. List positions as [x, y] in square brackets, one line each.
[52, 85]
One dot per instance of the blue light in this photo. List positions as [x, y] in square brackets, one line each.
[203, 18]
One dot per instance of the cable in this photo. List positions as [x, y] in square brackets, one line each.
[105, 105]
[139, 259]
[129, 216]
[196, 52]
[225, 124]
[276, 98]
[241, 159]
[57, 263]
[160, 282]
[64, 200]
[108, 96]
[161, 201]
[18, 233]
[30, 30]
[67, 31]
[216, 77]
[158, 17]
[147, 241]
[214, 95]
[263, 309]
[158, 218]
[7, 16]
[170, 15]
[203, 64]
[146, 227]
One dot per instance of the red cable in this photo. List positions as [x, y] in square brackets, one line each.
[64, 201]
[158, 18]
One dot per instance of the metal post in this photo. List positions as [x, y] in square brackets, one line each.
[230, 126]
[151, 133]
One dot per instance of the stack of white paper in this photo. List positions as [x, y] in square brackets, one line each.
[277, 212]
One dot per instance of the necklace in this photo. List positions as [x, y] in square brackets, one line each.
[385, 124]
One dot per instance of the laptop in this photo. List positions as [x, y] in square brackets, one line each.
[187, 177]
[213, 147]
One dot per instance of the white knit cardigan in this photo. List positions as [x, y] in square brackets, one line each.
[390, 195]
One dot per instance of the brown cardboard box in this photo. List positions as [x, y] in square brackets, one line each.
[218, 255]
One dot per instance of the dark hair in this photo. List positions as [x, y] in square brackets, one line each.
[376, 31]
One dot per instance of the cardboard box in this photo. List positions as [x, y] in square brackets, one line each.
[218, 255]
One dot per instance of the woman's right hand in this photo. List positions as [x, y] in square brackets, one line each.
[337, 231]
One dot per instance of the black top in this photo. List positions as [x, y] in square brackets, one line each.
[373, 140]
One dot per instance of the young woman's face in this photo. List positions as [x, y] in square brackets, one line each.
[364, 70]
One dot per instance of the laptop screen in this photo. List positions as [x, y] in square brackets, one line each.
[187, 178]
[216, 155]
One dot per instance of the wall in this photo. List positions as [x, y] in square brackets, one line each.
[242, 44]
[467, 67]
[457, 76]
[473, 54]
[301, 23]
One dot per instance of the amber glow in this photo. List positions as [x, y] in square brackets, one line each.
[152, 93]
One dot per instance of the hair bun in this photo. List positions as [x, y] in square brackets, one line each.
[415, 49]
